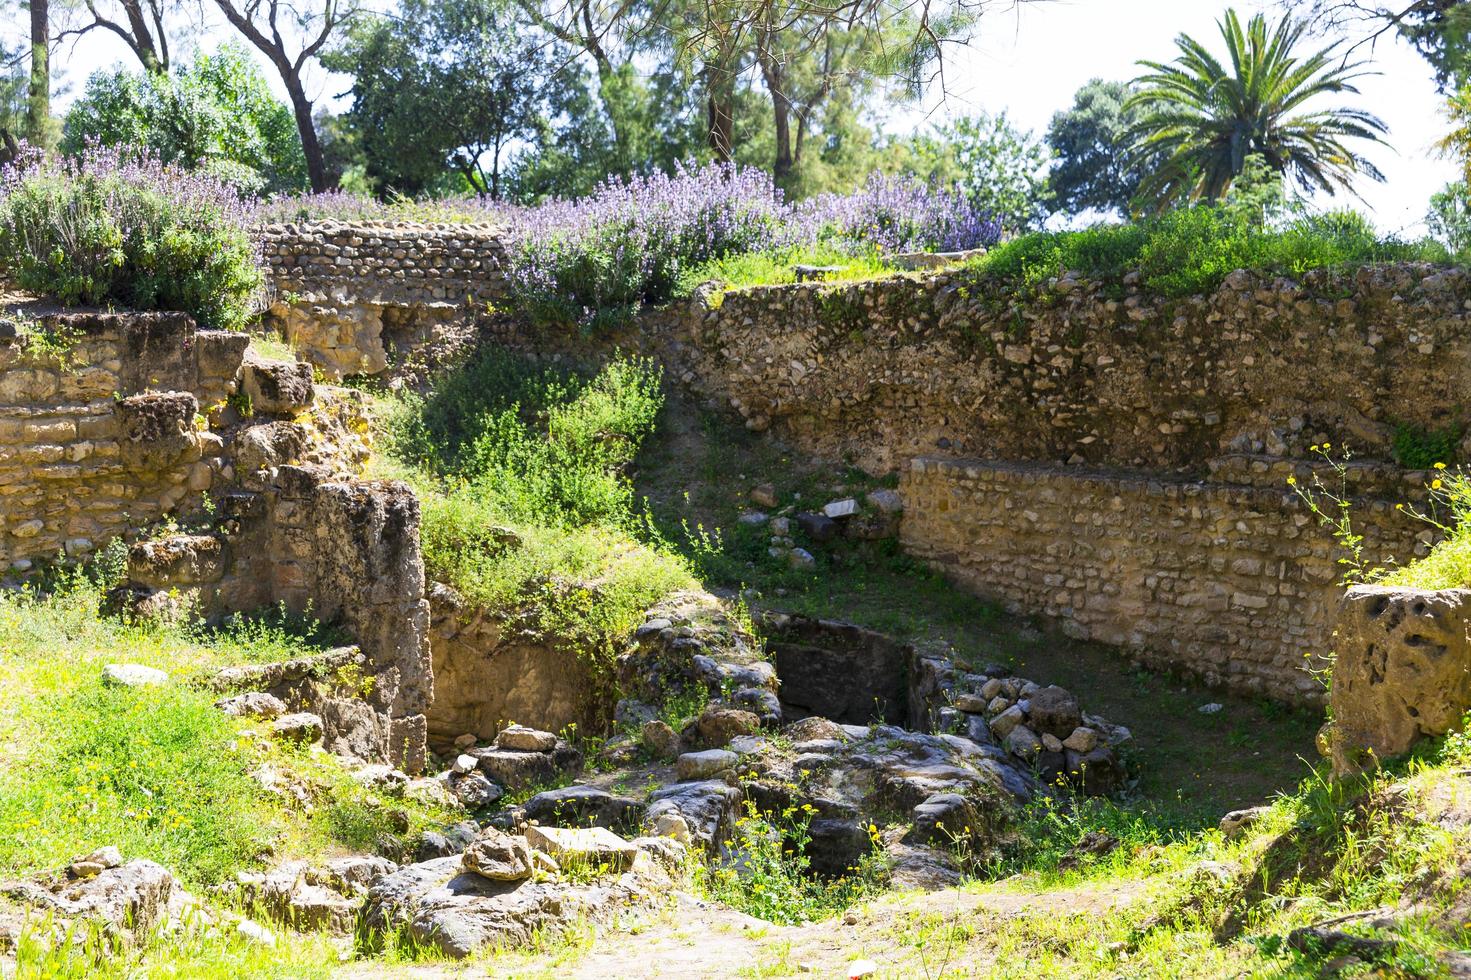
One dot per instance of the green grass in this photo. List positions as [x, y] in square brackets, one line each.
[157, 771]
[1192, 250]
[527, 505]
[778, 268]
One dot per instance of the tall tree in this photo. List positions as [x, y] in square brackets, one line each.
[1205, 119]
[291, 37]
[1439, 29]
[1092, 169]
[39, 128]
[450, 84]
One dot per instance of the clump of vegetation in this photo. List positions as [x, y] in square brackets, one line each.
[770, 875]
[1447, 508]
[522, 472]
[126, 230]
[1417, 447]
[1192, 250]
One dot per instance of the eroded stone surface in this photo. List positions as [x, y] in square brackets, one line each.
[1403, 671]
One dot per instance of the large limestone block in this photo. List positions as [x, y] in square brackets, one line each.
[1403, 671]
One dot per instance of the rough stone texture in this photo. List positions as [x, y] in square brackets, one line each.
[837, 670]
[1234, 583]
[1402, 673]
[104, 439]
[489, 671]
[351, 295]
[498, 856]
[128, 900]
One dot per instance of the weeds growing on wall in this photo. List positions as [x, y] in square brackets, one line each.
[1418, 447]
[108, 229]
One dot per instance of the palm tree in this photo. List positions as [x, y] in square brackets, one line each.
[1204, 120]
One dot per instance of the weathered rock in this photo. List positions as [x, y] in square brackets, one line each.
[498, 856]
[582, 806]
[130, 900]
[301, 726]
[945, 819]
[1238, 821]
[703, 765]
[1053, 711]
[707, 808]
[474, 790]
[256, 704]
[519, 738]
[133, 675]
[1003, 723]
[817, 527]
[1083, 739]
[835, 845]
[1023, 743]
[1403, 671]
[586, 847]
[277, 387]
[451, 841]
[661, 740]
[517, 770]
[717, 725]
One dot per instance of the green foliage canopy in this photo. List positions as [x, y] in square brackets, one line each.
[217, 115]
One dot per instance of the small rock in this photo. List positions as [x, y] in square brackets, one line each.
[498, 856]
[466, 741]
[991, 689]
[1003, 723]
[1083, 739]
[133, 675]
[887, 501]
[591, 847]
[764, 495]
[801, 558]
[1053, 709]
[671, 824]
[780, 527]
[717, 725]
[861, 968]
[702, 765]
[465, 763]
[818, 527]
[969, 703]
[300, 726]
[1237, 821]
[1210, 709]
[519, 738]
[1091, 846]
[1051, 742]
[474, 790]
[1023, 743]
[256, 933]
[753, 518]
[846, 507]
[104, 857]
[998, 704]
[661, 740]
[256, 704]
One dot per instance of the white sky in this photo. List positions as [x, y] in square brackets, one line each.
[1030, 60]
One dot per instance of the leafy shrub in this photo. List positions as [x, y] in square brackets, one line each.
[593, 261]
[216, 115]
[1192, 250]
[105, 229]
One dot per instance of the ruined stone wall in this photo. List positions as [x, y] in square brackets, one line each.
[1238, 584]
[101, 431]
[352, 296]
[879, 372]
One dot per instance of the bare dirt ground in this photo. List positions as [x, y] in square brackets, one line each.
[909, 936]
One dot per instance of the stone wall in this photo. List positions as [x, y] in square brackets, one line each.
[354, 296]
[102, 431]
[1238, 584]
[882, 371]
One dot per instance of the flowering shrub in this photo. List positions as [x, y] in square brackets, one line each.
[896, 214]
[592, 261]
[109, 229]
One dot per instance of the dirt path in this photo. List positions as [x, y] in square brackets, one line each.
[910, 936]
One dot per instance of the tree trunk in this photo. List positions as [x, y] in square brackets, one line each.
[781, 110]
[720, 112]
[38, 107]
[311, 147]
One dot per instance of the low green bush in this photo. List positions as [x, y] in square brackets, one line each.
[1192, 250]
[111, 230]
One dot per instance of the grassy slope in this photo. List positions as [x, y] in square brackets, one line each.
[160, 773]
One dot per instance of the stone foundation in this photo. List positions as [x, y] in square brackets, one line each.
[1238, 584]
